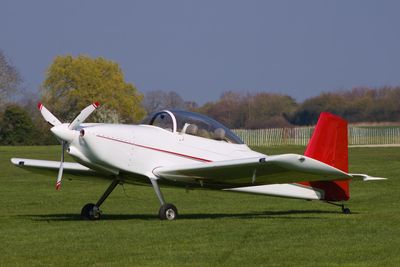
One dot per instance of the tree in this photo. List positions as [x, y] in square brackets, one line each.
[231, 109]
[254, 111]
[10, 79]
[269, 110]
[73, 83]
[16, 127]
[361, 104]
[159, 100]
[309, 110]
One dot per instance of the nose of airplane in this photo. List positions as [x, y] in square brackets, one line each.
[63, 133]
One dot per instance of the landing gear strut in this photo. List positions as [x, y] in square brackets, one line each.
[344, 209]
[92, 211]
[167, 211]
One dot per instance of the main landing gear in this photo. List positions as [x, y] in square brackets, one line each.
[167, 211]
[92, 211]
[344, 209]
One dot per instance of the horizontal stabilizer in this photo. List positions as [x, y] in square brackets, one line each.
[365, 177]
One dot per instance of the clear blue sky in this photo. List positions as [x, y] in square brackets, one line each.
[202, 48]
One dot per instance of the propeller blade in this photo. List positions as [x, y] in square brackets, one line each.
[60, 171]
[48, 116]
[83, 115]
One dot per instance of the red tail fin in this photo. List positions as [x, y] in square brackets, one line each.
[329, 144]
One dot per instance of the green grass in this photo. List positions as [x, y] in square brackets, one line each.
[41, 227]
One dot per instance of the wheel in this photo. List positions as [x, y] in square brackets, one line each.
[90, 212]
[346, 211]
[168, 212]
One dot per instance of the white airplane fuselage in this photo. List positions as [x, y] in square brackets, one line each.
[140, 149]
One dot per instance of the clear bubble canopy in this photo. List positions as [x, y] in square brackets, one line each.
[186, 122]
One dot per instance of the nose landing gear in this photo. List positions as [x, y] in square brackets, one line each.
[92, 211]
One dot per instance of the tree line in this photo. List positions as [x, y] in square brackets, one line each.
[270, 110]
[73, 82]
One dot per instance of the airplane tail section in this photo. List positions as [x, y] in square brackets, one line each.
[329, 144]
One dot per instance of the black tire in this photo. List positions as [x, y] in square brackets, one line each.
[346, 211]
[168, 212]
[90, 212]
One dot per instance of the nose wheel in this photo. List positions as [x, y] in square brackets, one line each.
[90, 212]
[168, 212]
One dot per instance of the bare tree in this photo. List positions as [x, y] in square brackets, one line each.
[9, 79]
[158, 100]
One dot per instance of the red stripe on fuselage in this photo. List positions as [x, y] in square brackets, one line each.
[155, 149]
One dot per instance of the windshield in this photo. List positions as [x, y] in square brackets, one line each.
[162, 119]
[186, 122]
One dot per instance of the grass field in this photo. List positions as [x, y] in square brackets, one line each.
[41, 227]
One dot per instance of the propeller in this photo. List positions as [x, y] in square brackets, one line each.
[60, 170]
[83, 115]
[64, 132]
[47, 115]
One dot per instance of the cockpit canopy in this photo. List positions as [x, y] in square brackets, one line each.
[186, 122]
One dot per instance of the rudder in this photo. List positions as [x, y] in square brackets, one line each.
[329, 144]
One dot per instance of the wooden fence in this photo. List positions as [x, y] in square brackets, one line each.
[301, 136]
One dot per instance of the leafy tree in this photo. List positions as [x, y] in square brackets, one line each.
[74, 82]
[16, 127]
[9, 79]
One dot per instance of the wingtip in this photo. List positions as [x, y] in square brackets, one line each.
[96, 104]
[40, 105]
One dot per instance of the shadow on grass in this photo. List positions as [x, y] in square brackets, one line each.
[289, 214]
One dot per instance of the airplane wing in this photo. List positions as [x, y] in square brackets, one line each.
[45, 166]
[285, 168]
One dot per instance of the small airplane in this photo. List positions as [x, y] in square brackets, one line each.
[187, 149]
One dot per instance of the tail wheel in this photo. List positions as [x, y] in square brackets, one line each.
[90, 212]
[346, 211]
[168, 212]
